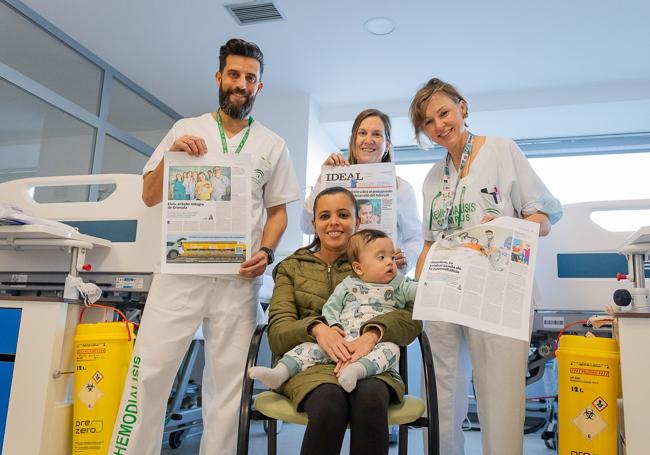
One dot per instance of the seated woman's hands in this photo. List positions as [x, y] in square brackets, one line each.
[359, 347]
[332, 341]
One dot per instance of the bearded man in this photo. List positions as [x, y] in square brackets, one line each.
[225, 306]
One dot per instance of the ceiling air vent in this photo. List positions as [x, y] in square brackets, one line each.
[254, 12]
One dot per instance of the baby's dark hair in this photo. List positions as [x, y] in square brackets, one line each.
[361, 239]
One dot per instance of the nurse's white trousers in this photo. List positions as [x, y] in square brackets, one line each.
[177, 305]
[499, 373]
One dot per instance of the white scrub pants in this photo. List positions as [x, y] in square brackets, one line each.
[177, 305]
[499, 372]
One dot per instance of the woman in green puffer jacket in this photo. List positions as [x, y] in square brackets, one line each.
[303, 282]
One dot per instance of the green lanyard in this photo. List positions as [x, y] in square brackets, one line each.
[448, 196]
[460, 210]
[224, 143]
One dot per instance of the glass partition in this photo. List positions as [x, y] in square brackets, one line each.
[40, 56]
[119, 158]
[134, 114]
[37, 139]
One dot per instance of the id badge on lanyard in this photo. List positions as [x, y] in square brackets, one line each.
[448, 196]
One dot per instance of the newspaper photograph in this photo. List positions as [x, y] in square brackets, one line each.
[206, 229]
[374, 186]
[482, 277]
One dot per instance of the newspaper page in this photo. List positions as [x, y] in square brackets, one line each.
[482, 277]
[374, 186]
[206, 214]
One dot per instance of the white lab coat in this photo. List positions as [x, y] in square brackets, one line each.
[501, 182]
[225, 306]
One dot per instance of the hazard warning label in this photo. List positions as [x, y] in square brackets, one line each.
[589, 422]
[600, 404]
[89, 394]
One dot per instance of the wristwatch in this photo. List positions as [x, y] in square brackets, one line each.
[269, 253]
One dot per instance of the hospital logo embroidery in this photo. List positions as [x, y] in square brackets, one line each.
[460, 213]
[258, 175]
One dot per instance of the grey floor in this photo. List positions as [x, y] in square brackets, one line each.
[290, 438]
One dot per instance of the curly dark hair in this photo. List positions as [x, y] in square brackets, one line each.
[236, 46]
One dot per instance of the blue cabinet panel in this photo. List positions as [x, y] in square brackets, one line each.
[9, 325]
[6, 374]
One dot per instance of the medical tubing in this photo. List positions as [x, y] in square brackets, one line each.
[557, 340]
[124, 318]
[582, 321]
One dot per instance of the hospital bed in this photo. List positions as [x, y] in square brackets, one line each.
[577, 267]
[576, 277]
[116, 247]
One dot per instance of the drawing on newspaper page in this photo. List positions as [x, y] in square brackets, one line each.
[206, 214]
[374, 186]
[482, 277]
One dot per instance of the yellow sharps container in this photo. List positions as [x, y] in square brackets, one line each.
[588, 388]
[102, 355]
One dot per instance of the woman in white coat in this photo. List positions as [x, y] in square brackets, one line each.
[370, 143]
[481, 177]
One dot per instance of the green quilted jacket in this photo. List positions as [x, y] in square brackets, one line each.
[303, 283]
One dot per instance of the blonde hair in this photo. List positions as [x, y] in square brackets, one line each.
[388, 154]
[418, 108]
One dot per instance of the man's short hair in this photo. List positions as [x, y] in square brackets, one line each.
[242, 48]
[361, 239]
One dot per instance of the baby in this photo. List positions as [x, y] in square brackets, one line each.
[377, 289]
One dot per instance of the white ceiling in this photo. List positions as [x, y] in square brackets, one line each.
[505, 55]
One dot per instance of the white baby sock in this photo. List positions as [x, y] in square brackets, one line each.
[351, 374]
[272, 377]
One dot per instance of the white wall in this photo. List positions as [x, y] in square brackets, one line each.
[610, 108]
[288, 115]
[320, 145]
[295, 117]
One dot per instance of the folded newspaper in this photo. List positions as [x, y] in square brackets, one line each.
[11, 215]
[374, 186]
[482, 277]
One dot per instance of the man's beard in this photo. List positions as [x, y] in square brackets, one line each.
[233, 110]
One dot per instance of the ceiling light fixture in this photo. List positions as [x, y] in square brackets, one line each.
[379, 25]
